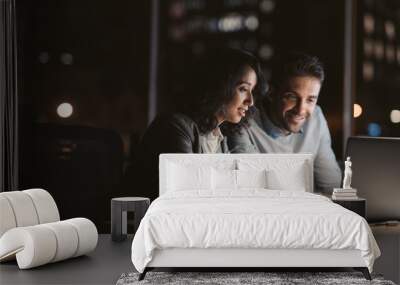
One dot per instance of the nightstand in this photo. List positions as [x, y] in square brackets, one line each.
[119, 208]
[358, 205]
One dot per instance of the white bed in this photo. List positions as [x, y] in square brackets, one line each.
[247, 210]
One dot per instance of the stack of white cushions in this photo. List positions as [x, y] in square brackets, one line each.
[31, 230]
[182, 178]
[236, 174]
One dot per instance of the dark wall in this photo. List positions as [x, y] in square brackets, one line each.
[317, 27]
[93, 55]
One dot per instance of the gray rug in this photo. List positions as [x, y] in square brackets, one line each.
[270, 278]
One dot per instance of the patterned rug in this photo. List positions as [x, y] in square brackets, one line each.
[269, 278]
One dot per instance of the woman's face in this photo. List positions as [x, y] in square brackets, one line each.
[242, 98]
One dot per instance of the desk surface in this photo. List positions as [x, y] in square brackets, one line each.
[102, 266]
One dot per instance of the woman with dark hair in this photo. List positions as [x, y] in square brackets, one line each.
[223, 89]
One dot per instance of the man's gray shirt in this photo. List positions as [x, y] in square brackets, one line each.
[261, 136]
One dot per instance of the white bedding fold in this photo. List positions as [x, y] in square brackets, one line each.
[250, 218]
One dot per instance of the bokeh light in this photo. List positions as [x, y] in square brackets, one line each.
[357, 110]
[65, 110]
[395, 116]
[374, 130]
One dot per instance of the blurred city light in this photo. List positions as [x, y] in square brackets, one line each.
[368, 47]
[368, 71]
[44, 57]
[231, 23]
[65, 110]
[266, 51]
[395, 116]
[357, 110]
[369, 24]
[374, 130]
[267, 6]
[379, 50]
[251, 23]
[390, 30]
[67, 58]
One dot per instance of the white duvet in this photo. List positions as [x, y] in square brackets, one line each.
[252, 218]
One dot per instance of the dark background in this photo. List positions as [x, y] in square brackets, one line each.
[96, 55]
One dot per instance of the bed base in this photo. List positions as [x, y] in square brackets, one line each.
[248, 259]
[364, 270]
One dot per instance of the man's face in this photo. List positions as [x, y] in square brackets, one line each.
[294, 102]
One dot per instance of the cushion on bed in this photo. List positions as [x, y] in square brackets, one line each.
[231, 180]
[188, 177]
[223, 179]
[290, 180]
[290, 174]
[213, 173]
[252, 178]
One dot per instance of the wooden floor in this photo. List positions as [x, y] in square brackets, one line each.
[103, 266]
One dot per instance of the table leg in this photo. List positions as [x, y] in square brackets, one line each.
[116, 222]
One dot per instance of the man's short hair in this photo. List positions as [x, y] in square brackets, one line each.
[294, 64]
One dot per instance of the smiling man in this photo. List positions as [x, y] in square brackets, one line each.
[288, 119]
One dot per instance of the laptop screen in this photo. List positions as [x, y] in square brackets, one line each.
[376, 175]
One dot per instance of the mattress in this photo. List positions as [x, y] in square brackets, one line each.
[251, 219]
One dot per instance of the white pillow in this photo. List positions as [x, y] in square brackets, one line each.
[226, 179]
[288, 174]
[251, 178]
[188, 177]
[223, 179]
[290, 179]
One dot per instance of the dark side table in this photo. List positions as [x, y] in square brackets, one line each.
[119, 208]
[358, 205]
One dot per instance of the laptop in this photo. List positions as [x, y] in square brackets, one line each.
[376, 175]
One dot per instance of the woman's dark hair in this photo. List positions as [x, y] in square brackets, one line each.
[214, 81]
[294, 64]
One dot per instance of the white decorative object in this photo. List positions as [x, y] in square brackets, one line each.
[347, 174]
[347, 192]
[32, 233]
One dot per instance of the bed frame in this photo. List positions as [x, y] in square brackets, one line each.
[244, 259]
